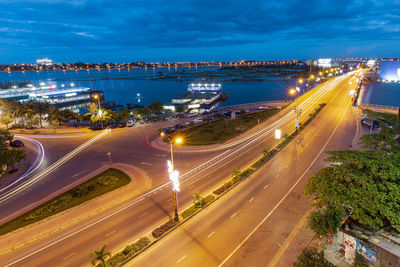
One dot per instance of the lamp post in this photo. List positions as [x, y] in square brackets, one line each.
[99, 112]
[174, 175]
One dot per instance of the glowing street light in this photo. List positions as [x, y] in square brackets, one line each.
[174, 175]
[278, 134]
[292, 91]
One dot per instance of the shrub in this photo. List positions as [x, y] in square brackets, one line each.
[189, 211]
[107, 180]
[246, 173]
[115, 259]
[223, 188]
[208, 199]
[127, 250]
[159, 231]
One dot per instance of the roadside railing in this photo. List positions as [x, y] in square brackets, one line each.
[378, 106]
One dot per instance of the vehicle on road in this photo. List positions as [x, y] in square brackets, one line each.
[130, 123]
[370, 122]
[198, 120]
[16, 143]
[263, 107]
[97, 127]
[122, 124]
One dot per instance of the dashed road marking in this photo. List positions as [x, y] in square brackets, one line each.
[265, 186]
[210, 234]
[233, 215]
[276, 176]
[251, 199]
[181, 259]
[144, 214]
[69, 256]
[110, 233]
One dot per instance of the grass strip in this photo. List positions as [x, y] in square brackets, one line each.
[389, 118]
[222, 130]
[102, 183]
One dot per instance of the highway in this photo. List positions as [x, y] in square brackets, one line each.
[249, 225]
[132, 219]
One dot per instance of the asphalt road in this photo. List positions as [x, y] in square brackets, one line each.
[248, 226]
[130, 220]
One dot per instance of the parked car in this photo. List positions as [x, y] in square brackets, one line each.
[130, 123]
[179, 126]
[198, 120]
[263, 107]
[16, 143]
[97, 127]
[370, 122]
[122, 124]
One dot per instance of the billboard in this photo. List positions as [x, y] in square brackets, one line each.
[325, 62]
[390, 71]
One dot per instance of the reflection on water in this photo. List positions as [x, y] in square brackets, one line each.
[380, 93]
[140, 86]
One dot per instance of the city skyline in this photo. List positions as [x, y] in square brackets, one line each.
[104, 31]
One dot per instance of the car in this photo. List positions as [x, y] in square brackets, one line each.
[16, 143]
[97, 127]
[189, 122]
[179, 126]
[198, 120]
[370, 122]
[122, 124]
[130, 123]
[263, 107]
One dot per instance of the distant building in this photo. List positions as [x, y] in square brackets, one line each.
[44, 62]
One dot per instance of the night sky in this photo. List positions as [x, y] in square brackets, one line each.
[209, 30]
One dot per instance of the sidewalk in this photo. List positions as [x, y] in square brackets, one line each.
[63, 129]
[51, 225]
[160, 145]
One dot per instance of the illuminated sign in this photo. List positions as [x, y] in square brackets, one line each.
[325, 62]
[371, 63]
[390, 71]
[173, 176]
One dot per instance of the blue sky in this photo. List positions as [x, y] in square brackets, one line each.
[175, 30]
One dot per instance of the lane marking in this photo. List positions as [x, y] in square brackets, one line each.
[251, 199]
[110, 233]
[144, 214]
[287, 165]
[286, 195]
[278, 255]
[276, 176]
[285, 119]
[181, 259]
[233, 215]
[210, 234]
[265, 186]
[78, 173]
[69, 256]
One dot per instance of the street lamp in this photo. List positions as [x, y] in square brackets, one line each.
[174, 175]
[100, 112]
[278, 134]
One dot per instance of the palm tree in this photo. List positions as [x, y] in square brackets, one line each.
[198, 200]
[100, 256]
[265, 152]
[55, 117]
[235, 172]
[40, 108]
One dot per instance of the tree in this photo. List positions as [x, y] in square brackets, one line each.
[146, 112]
[6, 120]
[198, 201]
[40, 108]
[383, 141]
[180, 109]
[124, 114]
[137, 113]
[100, 256]
[156, 107]
[364, 185]
[9, 157]
[55, 117]
[311, 257]
[265, 152]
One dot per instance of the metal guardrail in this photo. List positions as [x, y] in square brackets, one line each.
[378, 106]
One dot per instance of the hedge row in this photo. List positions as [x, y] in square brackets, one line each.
[159, 231]
[189, 211]
[128, 252]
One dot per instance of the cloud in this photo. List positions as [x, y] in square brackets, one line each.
[76, 27]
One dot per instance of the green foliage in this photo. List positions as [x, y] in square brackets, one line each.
[235, 172]
[9, 156]
[220, 130]
[73, 197]
[312, 258]
[128, 252]
[360, 262]
[208, 199]
[159, 231]
[100, 256]
[223, 188]
[198, 200]
[189, 211]
[156, 107]
[325, 221]
[366, 183]
[124, 114]
[383, 141]
[389, 118]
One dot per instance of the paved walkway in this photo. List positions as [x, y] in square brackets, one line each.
[140, 183]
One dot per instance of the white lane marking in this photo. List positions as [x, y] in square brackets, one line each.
[251, 199]
[137, 200]
[110, 233]
[265, 186]
[78, 173]
[144, 214]
[286, 166]
[233, 215]
[145, 163]
[181, 259]
[210, 234]
[51, 168]
[276, 176]
[287, 193]
[69, 256]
